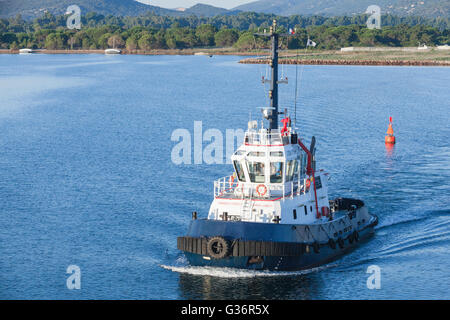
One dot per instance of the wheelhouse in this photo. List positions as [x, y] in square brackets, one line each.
[268, 164]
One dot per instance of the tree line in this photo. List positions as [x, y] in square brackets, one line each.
[240, 21]
[160, 32]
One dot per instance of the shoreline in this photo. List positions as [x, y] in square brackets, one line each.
[423, 63]
[155, 52]
[383, 58]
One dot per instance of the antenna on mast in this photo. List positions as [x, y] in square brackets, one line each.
[271, 113]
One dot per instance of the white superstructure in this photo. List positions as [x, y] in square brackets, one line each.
[274, 182]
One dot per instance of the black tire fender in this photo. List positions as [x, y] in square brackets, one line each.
[332, 244]
[218, 247]
[351, 238]
[316, 247]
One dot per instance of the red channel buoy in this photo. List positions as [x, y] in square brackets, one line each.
[390, 139]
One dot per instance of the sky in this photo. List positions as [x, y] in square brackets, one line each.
[227, 4]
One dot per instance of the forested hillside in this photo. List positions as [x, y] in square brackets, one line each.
[157, 32]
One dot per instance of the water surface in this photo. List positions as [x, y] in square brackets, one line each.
[86, 176]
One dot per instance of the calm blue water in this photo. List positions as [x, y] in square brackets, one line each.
[86, 176]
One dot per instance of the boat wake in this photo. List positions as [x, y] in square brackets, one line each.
[394, 221]
[432, 235]
[240, 273]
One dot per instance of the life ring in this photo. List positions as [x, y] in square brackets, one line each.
[260, 192]
[217, 247]
[307, 184]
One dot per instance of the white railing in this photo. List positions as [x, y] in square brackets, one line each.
[224, 185]
[227, 186]
[264, 138]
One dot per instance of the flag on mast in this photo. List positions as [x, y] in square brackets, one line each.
[310, 43]
[291, 31]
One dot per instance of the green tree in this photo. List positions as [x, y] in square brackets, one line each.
[86, 43]
[147, 41]
[226, 37]
[23, 39]
[7, 38]
[223, 31]
[55, 41]
[131, 42]
[14, 45]
[205, 34]
[180, 38]
[116, 41]
[368, 37]
[246, 41]
[103, 40]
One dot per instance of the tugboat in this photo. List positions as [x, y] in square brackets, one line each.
[273, 212]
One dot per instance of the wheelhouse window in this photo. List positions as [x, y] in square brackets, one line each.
[296, 169]
[304, 164]
[276, 172]
[256, 154]
[318, 183]
[256, 172]
[290, 170]
[239, 170]
[276, 154]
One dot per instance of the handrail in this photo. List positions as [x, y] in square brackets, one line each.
[222, 186]
[263, 138]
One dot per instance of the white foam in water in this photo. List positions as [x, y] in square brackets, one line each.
[239, 273]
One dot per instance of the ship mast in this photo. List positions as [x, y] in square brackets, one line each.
[273, 93]
[271, 113]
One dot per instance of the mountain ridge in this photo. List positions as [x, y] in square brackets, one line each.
[402, 8]
[35, 8]
[206, 10]
[425, 8]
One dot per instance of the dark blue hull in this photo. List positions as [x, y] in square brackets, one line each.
[279, 233]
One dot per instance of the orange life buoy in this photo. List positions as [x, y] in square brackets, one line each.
[260, 192]
[308, 183]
